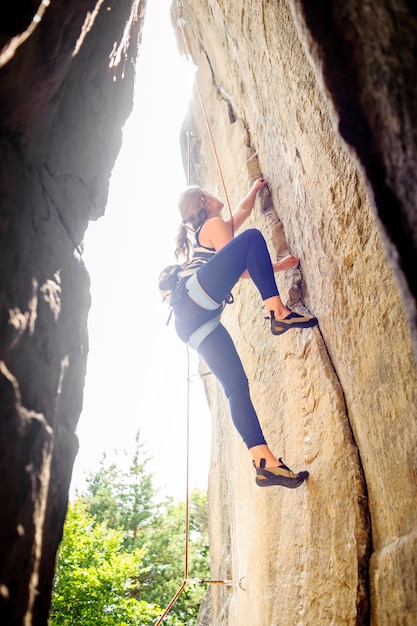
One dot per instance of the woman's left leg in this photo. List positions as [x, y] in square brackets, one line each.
[219, 352]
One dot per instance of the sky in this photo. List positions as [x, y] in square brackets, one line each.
[137, 367]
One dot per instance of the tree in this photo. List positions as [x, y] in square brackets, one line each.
[117, 527]
[164, 558]
[95, 576]
[124, 498]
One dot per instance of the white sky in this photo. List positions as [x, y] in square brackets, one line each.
[137, 367]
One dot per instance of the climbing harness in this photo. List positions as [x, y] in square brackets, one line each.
[194, 341]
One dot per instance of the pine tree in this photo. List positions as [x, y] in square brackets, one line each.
[144, 541]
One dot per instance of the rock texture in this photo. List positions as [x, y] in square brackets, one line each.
[321, 100]
[66, 88]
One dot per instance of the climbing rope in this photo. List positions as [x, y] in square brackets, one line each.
[191, 377]
[181, 23]
[187, 580]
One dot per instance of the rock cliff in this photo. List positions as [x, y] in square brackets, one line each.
[320, 99]
[66, 89]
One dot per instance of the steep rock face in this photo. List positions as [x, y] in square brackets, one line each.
[66, 85]
[322, 103]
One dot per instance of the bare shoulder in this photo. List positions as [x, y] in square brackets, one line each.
[215, 233]
[213, 222]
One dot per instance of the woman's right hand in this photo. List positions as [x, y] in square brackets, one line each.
[259, 184]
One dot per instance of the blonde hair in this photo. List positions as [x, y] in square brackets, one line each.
[193, 214]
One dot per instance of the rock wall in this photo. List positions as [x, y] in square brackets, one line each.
[66, 89]
[320, 99]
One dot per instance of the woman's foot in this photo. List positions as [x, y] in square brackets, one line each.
[278, 476]
[292, 320]
[286, 263]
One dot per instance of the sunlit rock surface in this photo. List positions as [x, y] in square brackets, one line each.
[322, 103]
[66, 85]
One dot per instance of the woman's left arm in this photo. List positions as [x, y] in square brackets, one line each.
[245, 206]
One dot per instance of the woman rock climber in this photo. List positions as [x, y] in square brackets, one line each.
[214, 263]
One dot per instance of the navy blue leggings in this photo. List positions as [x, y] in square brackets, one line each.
[217, 277]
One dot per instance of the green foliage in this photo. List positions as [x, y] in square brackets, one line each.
[165, 562]
[95, 576]
[122, 557]
[124, 499]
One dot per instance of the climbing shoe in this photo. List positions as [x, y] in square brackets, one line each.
[293, 320]
[281, 476]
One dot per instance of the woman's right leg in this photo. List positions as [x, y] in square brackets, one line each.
[248, 251]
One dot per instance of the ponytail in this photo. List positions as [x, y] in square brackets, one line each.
[183, 244]
[194, 214]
